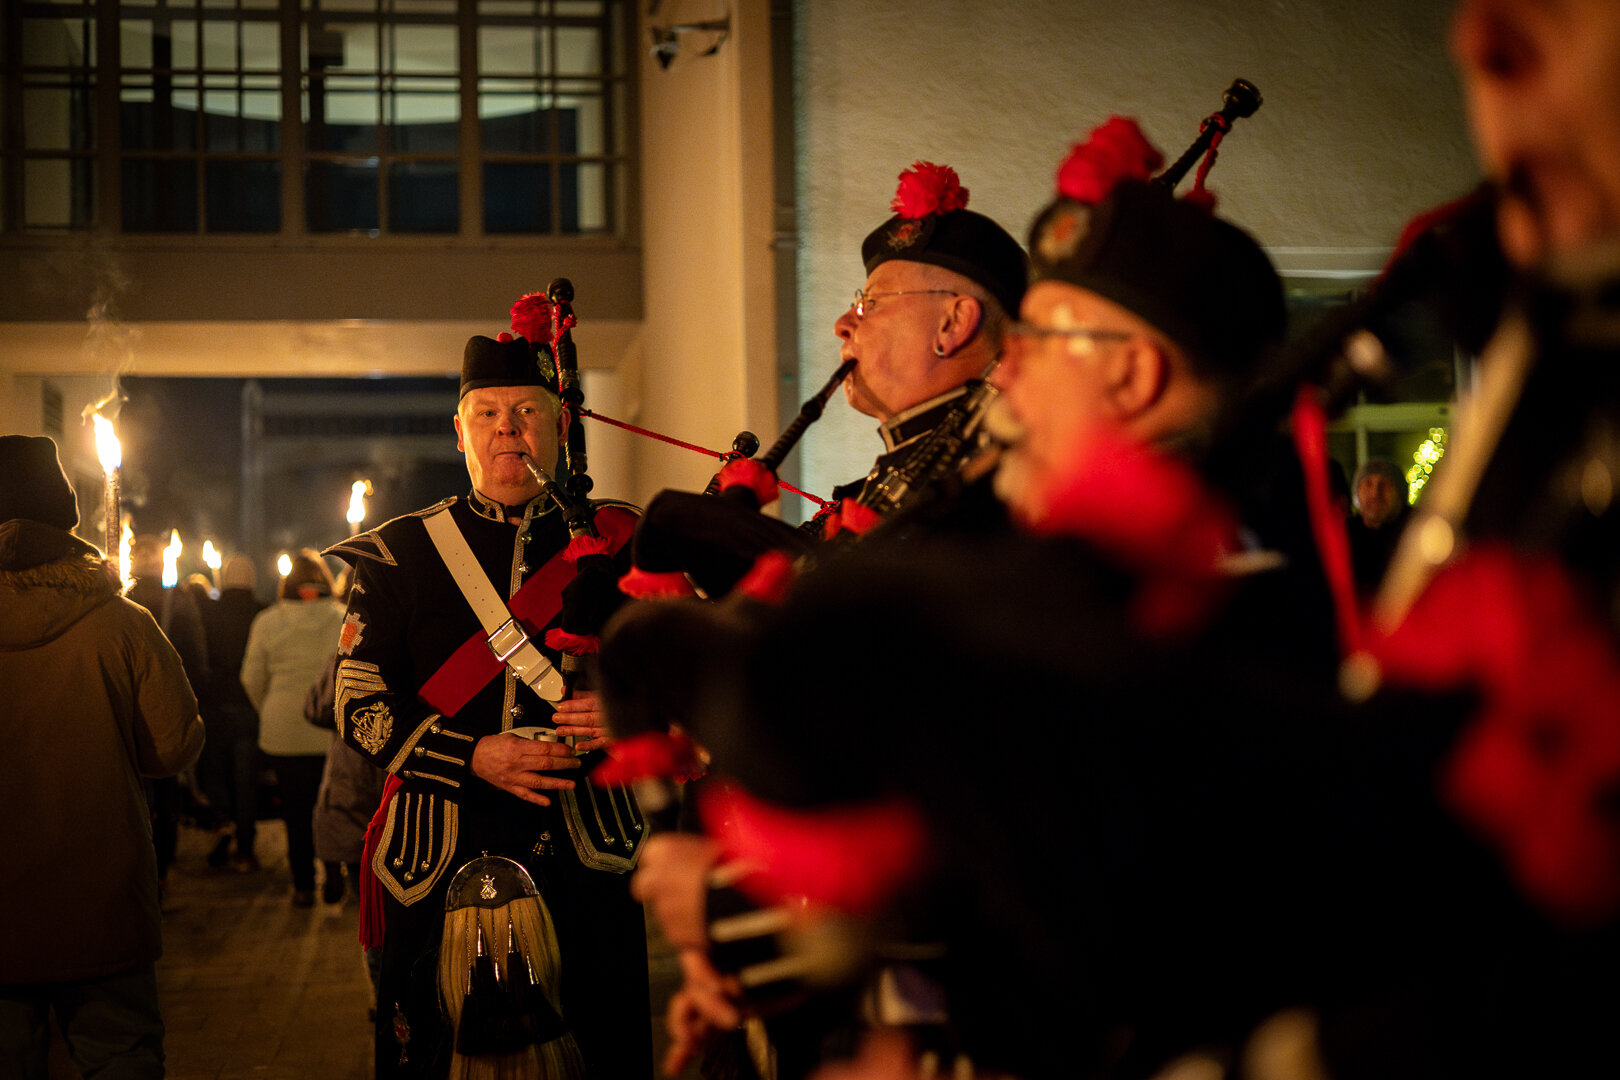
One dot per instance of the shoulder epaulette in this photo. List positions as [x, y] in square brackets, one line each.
[372, 545]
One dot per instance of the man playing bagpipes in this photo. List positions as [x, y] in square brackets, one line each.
[510, 944]
[915, 344]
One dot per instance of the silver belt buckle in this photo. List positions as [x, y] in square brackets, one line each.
[508, 631]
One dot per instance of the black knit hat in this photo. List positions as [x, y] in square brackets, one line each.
[1200, 280]
[32, 483]
[933, 226]
[506, 361]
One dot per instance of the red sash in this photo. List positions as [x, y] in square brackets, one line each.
[537, 601]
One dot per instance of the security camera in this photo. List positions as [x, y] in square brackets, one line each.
[666, 44]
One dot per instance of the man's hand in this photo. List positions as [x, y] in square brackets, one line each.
[705, 1003]
[523, 766]
[581, 717]
[670, 879]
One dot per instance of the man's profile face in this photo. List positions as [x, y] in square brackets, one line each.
[1053, 389]
[495, 427]
[1542, 80]
[893, 342]
[1377, 499]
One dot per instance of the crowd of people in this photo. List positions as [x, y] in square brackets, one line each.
[1145, 745]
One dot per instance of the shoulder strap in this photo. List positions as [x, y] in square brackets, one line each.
[507, 639]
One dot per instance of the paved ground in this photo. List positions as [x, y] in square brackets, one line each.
[253, 988]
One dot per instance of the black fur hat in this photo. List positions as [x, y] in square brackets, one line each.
[1200, 280]
[506, 361]
[933, 225]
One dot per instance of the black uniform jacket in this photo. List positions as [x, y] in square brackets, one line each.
[406, 617]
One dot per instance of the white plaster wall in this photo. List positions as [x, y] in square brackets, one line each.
[1360, 129]
[708, 354]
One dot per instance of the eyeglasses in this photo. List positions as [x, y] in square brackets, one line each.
[865, 301]
[1024, 329]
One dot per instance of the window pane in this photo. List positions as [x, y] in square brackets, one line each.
[513, 123]
[219, 45]
[423, 196]
[421, 7]
[58, 117]
[243, 120]
[512, 50]
[244, 196]
[58, 194]
[579, 51]
[160, 196]
[342, 116]
[261, 46]
[182, 45]
[348, 47]
[157, 115]
[425, 122]
[517, 198]
[59, 42]
[261, 120]
[585, 131]
[584, 207]
[341, 5]
[341, 196]
[424, 50]
[135, 43]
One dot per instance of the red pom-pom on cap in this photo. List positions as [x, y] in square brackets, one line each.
[531, 317]
[1115, 150]
[926, 188]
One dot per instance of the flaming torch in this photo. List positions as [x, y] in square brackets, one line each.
[112, 457]
[171, 560]
[357, 504]
[212, 560]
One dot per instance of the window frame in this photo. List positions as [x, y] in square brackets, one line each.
[105, 155]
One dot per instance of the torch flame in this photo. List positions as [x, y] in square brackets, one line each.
[108, 448]
[284, 563]
[357, 502]
[171, 560]
[211, 557]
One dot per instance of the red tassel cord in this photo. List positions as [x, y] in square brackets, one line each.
[1327, 524]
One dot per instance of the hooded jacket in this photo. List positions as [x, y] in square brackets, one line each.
[92, 698]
